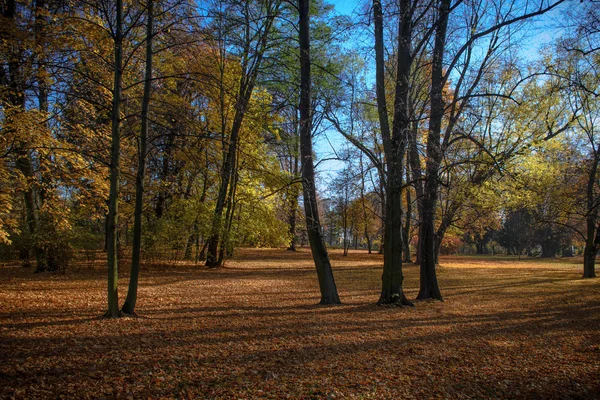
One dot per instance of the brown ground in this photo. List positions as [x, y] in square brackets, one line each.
[507, 329]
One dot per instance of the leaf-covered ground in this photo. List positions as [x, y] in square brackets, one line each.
[507, 329]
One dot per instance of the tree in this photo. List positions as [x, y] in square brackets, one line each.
[129, 305]
[485, 25]
[320, 256]
[580, 55]
[256, 22]
[115, 158]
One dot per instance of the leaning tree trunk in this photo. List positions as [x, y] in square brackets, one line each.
[129, 305]
[329, 294]
[115, 158]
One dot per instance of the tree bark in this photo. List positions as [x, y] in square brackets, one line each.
[115, 158]
[130, 301]
[329, 294]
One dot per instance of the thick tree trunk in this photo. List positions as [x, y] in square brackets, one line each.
[589, 261]
[130, 301]
[392, 277]
[113, 200]
[329, 294]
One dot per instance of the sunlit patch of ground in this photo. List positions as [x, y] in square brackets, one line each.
[507, 329]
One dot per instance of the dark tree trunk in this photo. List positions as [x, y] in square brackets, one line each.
[226, 248]
[406, 229]
[589, 261]
[130, 301]
[429, 288]
[592, 242]
[329, 294]
[394, 144]
[113, 202]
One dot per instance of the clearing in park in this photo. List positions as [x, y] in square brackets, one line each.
[507, 329]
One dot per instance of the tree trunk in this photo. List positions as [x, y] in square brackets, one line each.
[329, 294]
[392, 277]
[429, 288]
[415, 168]
[113, 200]
[589, 261]
[592, 244]
[292, 218]
[406, 229]
[130, 301]
[394, 144]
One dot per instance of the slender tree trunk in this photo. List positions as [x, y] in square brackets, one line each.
[130, 301]
[429, 288]
[329, 294]
[225, 248]
[212, 257]
[417, 174]
[364, 205]
[292, 218]
[406, 229]
[113, 201]
[592, 242]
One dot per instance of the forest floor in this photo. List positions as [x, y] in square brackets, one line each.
[507, 329]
